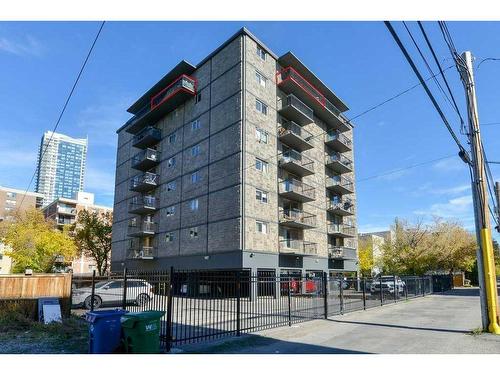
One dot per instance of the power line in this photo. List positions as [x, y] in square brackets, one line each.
[64, 107]
[487, 59]
[429, 44]
[429, 94]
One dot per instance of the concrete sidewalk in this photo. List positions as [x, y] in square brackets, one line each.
[441, 323]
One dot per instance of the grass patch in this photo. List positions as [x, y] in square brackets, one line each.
[476, 331]
[19, 333]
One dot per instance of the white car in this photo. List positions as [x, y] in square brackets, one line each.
[388, 285]
[110, 293]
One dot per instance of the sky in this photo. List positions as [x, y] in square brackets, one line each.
[360, 61]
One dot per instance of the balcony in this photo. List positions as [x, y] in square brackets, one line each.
[67, 210]
[340, 184]
[294, 136]
[145, 204]
[339, 163]
[296, 218]
[296, 163]
[144, 182]
[294, 110]
[297, 247]
[141, 252]
[296, 190]
[65, 221]
[163, 102]
[138, 228]
[291, 82]
[147, 137]
[341, 252]
[146, 159]
[338, 141]
[343, 207]
[341, 230]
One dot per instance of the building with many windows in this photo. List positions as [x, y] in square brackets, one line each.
[61, 166]
[243, 161]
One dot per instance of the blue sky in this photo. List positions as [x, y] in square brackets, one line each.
[358, 60]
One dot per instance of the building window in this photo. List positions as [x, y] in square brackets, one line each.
[170, 237]
[193, 232]
[10, 202]
[261, 53]
[195, 150]
[261, 227]
[195, 125]
[195, 177]
[197, 99]
[171, 162]
[261, 135]
[194, 204]
[11, 194]
[172, 138]
[171, 211]
[171, 186]
[261, 195]
[260, 106]
[261, 80]
[261, 165]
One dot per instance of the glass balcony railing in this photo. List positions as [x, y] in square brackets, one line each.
[341, 252]
[345, 205]
[297, 217]
[138, 227]
[66, 210]
[337, 157]
[297, 246]
[144, 181]
[292, 156]
[141, 252]
[293, 109]
[335, 135]
[184, 82]
[341, 229]
[142, 204]
[146, 159]
[147, 137]
[291, 185]
[340, 181]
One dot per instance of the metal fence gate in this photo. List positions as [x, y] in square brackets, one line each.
[207, 305]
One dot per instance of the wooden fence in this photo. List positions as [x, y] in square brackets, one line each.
[16, 288]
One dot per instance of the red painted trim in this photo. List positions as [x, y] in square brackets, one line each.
[321, 101]
[153, 106]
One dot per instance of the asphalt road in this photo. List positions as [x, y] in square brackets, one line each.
[440, 323]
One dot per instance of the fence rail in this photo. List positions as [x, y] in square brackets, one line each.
[206, 305]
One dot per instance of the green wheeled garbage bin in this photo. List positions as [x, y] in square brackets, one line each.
[141, 331]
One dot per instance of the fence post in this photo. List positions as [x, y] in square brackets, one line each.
[396, 290]
[364, 293]
[124, 297]
[93, 292]
[238, 303]
[423, 286]
[406, 289]
[325, 293]
[289, 302]
[168, 344]
[381, 292]
[341, 294]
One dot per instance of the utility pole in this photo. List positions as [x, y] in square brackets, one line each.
[497, 194]
[485, 259]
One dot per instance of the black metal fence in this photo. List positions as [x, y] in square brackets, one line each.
[205, 305]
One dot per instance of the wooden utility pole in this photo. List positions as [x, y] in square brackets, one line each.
[486, 258]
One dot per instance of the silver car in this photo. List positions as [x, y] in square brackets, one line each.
[110, 293]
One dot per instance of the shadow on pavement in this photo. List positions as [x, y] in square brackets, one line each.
[255, 344]
[461, 292]
[399, 326]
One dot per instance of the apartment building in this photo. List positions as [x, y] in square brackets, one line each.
[61, 166]
[243, 161]
[12, 202]
[64, 211]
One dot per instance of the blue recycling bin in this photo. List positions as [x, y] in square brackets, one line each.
[104, 330]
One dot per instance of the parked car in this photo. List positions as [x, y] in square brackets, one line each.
[336, 283]
[387, 283]
[110, 293]
[298, 286]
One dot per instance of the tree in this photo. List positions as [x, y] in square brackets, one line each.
[365, 254]
[418, 248]
[93, 237]
[35, 242]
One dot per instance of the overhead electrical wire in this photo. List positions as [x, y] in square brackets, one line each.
[68, 98]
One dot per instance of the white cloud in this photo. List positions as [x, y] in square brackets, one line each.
[458, 208]
[451, 190]
[449, 165]
[27, 46]
[368, 228]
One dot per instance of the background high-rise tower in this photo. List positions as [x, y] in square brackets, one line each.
[61, 168]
